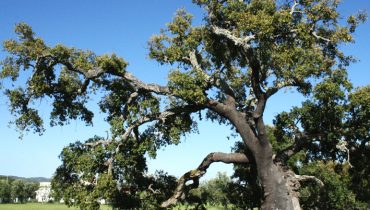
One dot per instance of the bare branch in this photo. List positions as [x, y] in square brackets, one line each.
[213, 79]
[243, 42]
[161, 116]
[97, 143]
[308, 178]
[148, 118]
[320, 37]
[292, 10]
[163, 90]
[150, 188]
[194, 175]
[342, 146]
[134, 81]
[194, 62]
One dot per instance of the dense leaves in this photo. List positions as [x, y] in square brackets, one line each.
[12, 191]
[245, 52]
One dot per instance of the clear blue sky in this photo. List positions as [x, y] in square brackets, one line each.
[124, 27]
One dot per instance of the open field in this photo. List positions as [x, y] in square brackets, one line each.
[41, 206]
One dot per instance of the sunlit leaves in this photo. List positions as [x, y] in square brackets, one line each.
[112, 63]
[60, 73]
[335, 194]
[175, 43]
[187, 86]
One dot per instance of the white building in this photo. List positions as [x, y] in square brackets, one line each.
[43, 193]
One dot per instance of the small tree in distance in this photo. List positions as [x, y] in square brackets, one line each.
[228, 69]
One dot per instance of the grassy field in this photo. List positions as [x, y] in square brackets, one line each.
[41, 206]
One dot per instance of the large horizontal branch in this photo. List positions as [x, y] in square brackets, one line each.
[194, 175]
[162, 90]
[97, 143]
[162, 116]
[95, 72]
[149, 118]
[302, 178]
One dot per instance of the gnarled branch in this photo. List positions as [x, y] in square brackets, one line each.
[243, 42]
[95, 72]
[302, 178]
[194, 175]
[162, 90]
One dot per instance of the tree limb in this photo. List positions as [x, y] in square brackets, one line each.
[307, 178]
[194, 175]
[194, 62]
[292, 10]
[320, 37]
[243, 42]
[301, 141]
[134, 81]
[212, 79]
[162, 90]
[100, 142]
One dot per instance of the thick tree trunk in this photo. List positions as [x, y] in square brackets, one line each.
[276, 182]
[279, 184]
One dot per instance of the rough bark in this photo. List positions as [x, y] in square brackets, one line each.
[276, 181]
[279, 184]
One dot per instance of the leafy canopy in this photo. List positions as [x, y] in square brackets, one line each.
[245, 52]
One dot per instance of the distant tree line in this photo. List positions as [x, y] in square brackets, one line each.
[20, 191]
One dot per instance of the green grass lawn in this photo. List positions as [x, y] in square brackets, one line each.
[41, 206]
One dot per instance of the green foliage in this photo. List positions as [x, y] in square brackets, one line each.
[43, 206]
[212, 192]
[357, 132]
[161, 187]
[18, 191]
[30, 189]
[332, 116]
[84, 177]
[5, 192]
[49, 79]
[189, 87]
[175, 42]
[217, 189]
[87, 176]
[335, 194]
[245, 52]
